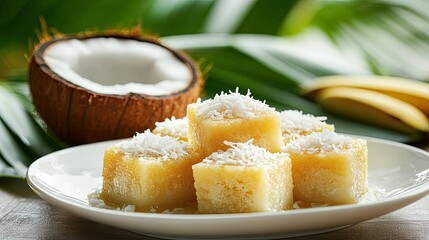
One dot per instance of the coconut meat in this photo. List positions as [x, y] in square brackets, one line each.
[118, 66]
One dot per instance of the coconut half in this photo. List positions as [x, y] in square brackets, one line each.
[90, 89]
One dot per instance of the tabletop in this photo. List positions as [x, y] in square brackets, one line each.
[23, 215]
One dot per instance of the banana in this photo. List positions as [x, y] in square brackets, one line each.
[410, 91]
[375, 108]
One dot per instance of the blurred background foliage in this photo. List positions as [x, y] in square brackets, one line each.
[272, 47]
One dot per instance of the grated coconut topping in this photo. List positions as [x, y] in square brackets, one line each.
[229, 106]
[149, 145]
[174, 127]
[321, 142]
[242, 154]
[95, 200]
[294, 122]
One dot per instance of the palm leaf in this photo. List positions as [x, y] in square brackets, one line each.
[266, 17]
[278, 79]
[393, 36]
[21, 123]
[23, 139]
[6, 170]
[13, 153]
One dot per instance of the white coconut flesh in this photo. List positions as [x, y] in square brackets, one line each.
[118, 66]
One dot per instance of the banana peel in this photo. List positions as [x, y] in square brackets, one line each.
[374, 107]
[413, 92]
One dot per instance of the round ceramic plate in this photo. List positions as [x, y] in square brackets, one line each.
[65, 178]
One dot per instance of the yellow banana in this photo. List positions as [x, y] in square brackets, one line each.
[374, 107]
[410, 91]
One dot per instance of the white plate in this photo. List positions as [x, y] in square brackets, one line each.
[66, 177]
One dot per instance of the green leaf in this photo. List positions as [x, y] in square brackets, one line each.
[274, 69]
[392, 35]
[266, 17]
[173, 17]
[13, 114]
[23, 138]
[13, 153]
[298, 59]
[6, 170]
[299, 17]
[18, 85]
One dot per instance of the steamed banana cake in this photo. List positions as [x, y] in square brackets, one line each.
[296, 124]
[150, 171]
[328, 168]
[232, 117]
[244, 178]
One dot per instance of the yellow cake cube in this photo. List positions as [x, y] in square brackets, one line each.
[328, 168]
[244, 178]
[177, 128]
[151, 172]
[232, 117]
[296, 124]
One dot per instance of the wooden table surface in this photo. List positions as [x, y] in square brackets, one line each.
[23, 215]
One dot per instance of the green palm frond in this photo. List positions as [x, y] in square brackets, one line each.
[393, 36]
[22, 136]
[274, 73]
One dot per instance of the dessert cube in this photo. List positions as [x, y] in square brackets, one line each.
[151, 172]
[328, 168]
[232, 117]
[244, 178]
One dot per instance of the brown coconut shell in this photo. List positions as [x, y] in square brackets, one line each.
[77, 116]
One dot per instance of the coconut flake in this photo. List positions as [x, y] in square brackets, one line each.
[242, 154]
[296, 205]
[374, 194]
[95, 200]
[173, 127]
[149, 145]
[232, 105]
[294, 122]
[109, 65]
[321, 142]
[129, 208]
[174, 211]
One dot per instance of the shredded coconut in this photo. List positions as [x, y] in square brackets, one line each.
[129, 208]
[296, 205]
[320, 142]
[149, 145]
[94, 200]
[152, 209]
[374, 194]
[242, 154]
[229, 106]
[174, 127]
[174, 211]
[293, 122]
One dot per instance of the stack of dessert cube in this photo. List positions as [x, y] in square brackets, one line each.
[235, 154]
